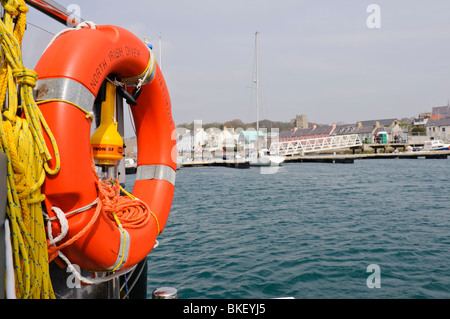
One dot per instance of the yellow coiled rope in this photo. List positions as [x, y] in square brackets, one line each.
[22, 139]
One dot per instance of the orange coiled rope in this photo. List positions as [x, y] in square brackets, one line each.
[131, 212]
[127, 211]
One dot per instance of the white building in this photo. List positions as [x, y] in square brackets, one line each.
[201, 143]
[229, 137]
[185, 142]
[438, 129]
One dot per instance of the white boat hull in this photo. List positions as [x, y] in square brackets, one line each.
[436, 145]
[270, 160]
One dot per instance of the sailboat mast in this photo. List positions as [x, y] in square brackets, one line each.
[256, 83]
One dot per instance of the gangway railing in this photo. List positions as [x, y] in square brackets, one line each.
[312, 145]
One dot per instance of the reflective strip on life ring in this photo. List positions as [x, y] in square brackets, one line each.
[64, 89]
[160, 172]
[71, 72]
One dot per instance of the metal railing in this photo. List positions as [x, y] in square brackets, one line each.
[55, 11]
[312, 145]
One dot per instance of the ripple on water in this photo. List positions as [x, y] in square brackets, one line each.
[309, 231]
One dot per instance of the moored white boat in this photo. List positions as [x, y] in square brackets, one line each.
[263, 158]
[436, 145]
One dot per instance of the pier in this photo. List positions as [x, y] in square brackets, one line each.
[329, 158]
[223, 163]
[381, 146]
[350, 158]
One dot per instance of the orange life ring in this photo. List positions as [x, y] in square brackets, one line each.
[71, 72]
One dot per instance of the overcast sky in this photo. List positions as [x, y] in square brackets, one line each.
[316, 57]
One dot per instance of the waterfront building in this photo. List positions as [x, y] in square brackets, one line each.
[306, 133]
[443, 111]
[214, 138]
[367, 130]
[250, 139]
[395, 133]
[380, 123]
[217, 140]
[229, 137]
[189, 140]
[436, 117]
[438, 129]
[422, 119]
[185, 142]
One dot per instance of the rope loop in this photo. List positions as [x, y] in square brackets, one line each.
[84, 24]
[22, 8]
[22, 129]
[130, 212]
[11, 6]
[126, 211]
[12, 117]
[25, 76]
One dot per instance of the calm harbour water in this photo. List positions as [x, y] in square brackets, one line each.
[308, 231]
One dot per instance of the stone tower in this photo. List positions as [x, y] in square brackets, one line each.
[301, 121]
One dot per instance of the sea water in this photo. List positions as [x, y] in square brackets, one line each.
[377, 228]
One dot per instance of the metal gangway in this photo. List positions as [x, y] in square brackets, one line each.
[313, 145]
